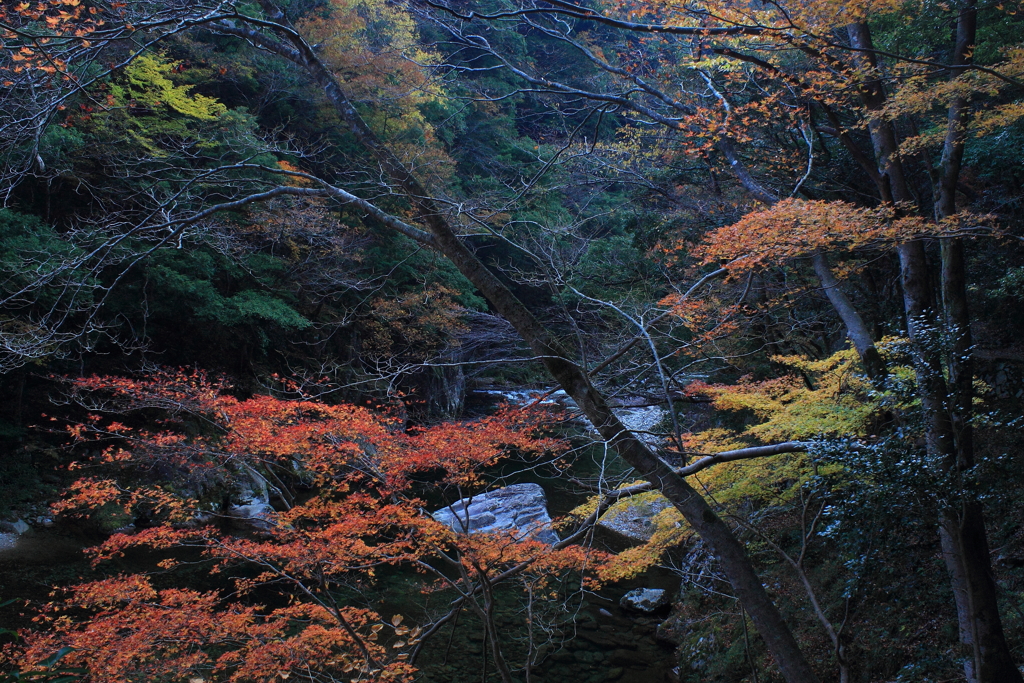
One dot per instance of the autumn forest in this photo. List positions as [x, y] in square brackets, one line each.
[512, 341]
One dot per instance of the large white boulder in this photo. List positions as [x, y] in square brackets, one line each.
[645, 600]
[521, 507]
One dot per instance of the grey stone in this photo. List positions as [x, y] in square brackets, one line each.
[8, 540]
[643, 629]
[20, 527]
[633, 517]
[7, 527]
[639, 418]
[481, 521]
[645, 600]
[256, 514]
[642, 419]
[625, 658]
[521, 508]
[603, 639]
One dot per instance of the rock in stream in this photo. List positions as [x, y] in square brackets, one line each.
[520, 507]
[633, 517]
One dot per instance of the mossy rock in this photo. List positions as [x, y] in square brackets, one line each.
[633, 518]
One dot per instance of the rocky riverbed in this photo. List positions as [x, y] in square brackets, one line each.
[595, 640]
[606, 643]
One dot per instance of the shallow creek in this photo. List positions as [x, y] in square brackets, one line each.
[596, 640]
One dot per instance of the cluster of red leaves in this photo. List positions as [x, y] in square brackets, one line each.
[796, 227]
[491, 554]
[331, 443]
[144, 634]
[361, 516]
[707, 319]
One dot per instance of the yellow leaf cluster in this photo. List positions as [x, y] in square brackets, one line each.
[837, 401]
[151, 86]
[373, 48]
[670, 530]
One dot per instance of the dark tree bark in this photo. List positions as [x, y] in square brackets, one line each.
[574, 380]
[946, 404]
[964, 540]
[855, 327]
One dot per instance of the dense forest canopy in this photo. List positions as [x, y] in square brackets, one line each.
[748, 274]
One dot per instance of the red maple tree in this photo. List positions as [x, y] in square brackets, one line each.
[361, 513]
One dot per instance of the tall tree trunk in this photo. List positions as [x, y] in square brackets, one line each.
[573, 379]
[964, 541]
[855, 327]
[954, 277]
[946, 405]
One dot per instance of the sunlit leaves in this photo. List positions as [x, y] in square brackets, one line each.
[796, 227]
[150, 86]
[362, 516]
[373, 47]
[139, 633]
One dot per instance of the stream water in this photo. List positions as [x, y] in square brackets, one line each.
[588, 637]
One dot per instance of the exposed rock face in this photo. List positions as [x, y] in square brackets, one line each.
[251, 501]
[10, 532]
[673, 630]
[646, 600]
[520, 507]
[642, 419]
[633, 517]
[16, 527]
[255, 514]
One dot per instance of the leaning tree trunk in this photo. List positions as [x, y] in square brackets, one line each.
[946, 404]
[573, 379]
[855, 327]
